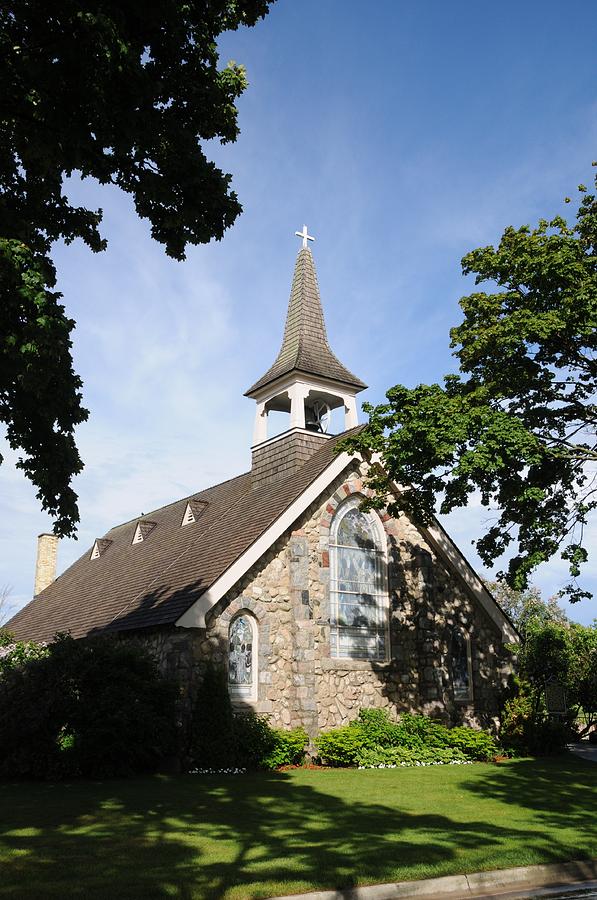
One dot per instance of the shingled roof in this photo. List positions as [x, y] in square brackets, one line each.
[152, 583]
[305, 346]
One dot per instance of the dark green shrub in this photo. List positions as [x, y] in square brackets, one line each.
[527, 730]
[221, 739]
[262, 747]
[254, 739]
[96, 707]
[212, 743]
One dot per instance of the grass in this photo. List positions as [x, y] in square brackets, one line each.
[261, 835]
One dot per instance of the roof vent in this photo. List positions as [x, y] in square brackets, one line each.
[193, 510]
[142, 530]
[100, 547]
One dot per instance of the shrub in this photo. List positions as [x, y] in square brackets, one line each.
[254, 739]
[260, 746]
[403, 756]
[288, 749]
[221, 739]
[212, 742]
[526, 729]
[341, 746]
[97, 707]
[373, 730]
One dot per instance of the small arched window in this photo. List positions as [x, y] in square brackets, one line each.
[460, 661]
[242, 646]
[358, 590]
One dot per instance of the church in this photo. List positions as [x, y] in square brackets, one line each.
[313, 606]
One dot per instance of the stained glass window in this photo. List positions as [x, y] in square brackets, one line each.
[240, 657]
[461, 674]
[358, 594]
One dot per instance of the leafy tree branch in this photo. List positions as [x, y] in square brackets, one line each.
[127, 94]
[517, 424]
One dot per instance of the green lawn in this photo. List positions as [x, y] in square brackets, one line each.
[261, 835]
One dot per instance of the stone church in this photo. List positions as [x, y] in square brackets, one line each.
[314, 607]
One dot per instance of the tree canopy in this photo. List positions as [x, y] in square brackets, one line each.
[126, 93]
[518, 423]
[528, 606]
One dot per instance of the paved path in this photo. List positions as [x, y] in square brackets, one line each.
[584, 750]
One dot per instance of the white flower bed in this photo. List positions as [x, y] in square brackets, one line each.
[453, 762]
[231, 771]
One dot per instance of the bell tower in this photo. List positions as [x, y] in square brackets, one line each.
[306, 381]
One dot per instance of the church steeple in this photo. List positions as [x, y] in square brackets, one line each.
[306, 379]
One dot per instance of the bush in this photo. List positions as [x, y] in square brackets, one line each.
[260, 746]
[373, 730]
[527, 730]
[402, 756]
[288, 750]
[221, 739]
[212, 742]
[97, 707]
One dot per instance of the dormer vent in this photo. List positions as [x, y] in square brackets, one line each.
[193, 510]
[142, 530]
[100, 547]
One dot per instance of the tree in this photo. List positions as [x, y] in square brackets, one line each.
[518, 423]
[5, 607]
[124, 93]
[525, 607]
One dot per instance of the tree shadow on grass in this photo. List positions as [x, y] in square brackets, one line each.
[219, 837]
[561, 791]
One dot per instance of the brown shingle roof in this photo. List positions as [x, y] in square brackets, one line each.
[154, 582]
[305, 344]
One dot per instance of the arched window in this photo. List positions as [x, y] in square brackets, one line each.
[242, 646]
[358, 591]
[460, 661]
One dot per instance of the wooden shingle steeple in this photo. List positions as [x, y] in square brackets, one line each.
[306, 379]
[305, 346]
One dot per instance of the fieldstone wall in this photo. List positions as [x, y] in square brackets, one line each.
[299, 683]
[287, 592]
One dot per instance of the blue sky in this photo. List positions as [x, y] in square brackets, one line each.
[404, 135]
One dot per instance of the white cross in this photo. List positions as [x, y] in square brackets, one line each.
[305, 236]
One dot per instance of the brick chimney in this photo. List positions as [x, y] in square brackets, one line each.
[45, 565]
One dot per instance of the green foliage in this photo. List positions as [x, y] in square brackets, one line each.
[370, 758]
[212, 743]
[15, 653]
[517, 425]
[527, 730]
[96, 708]
[260, 746]
[288, 749]
[527, 606]
[567, 654]
[417, 738]
[129, 98]
[220, 739]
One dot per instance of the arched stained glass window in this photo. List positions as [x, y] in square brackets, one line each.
[241, 646]
[461, 666]
[358, 593]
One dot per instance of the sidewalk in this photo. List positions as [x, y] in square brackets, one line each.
[584, 750]
[507, 884]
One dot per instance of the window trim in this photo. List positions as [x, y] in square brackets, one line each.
[381, 553]
[469, 665]
[238, 692]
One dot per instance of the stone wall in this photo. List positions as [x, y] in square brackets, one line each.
[287, 592]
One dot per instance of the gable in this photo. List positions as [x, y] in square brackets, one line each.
[435, 536]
